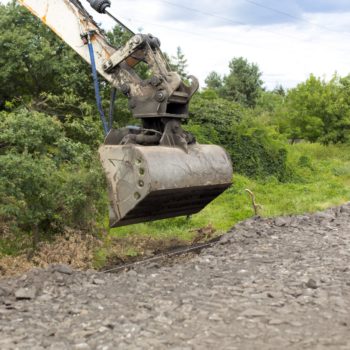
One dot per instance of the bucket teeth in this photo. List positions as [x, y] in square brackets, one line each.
[155, 182]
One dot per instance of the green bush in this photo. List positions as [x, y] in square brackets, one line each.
[47, 181]
[257, 156]
[256, 150]
[318, 111]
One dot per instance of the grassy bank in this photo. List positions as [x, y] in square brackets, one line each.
[320, 179]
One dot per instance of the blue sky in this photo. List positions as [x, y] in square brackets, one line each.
[288, 39]
[252, 12]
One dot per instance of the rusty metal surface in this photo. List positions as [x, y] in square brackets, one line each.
[155, 182]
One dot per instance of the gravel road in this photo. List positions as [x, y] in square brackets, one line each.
[279, 283]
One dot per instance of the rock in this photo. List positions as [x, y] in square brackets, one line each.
[311, 283]
[345, 209]
[5, 291]
[152, 265]
[282, 221]
[45, 297]
[324, 216]
[215, 317]
[274, 295]
[276, 322]
[227, 238]
[133, 273]
[98, 281]
[74, 310]
[249, 234]
[253, 313]
[65, 269]
[81, 346]
[7, 302]
[296, 293]
[25, 293]
[58, 346]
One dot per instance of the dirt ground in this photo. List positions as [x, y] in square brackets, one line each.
[279, 283]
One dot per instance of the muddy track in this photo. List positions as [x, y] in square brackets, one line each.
[267, 284]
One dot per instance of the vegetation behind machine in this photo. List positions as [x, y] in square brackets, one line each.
[50, 178]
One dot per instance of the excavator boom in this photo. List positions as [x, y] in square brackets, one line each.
[157, 170]
[69, 23]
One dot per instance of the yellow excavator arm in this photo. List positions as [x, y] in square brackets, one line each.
[76, 27]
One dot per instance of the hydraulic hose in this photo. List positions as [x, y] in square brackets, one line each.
[97, 87]
[101, 7]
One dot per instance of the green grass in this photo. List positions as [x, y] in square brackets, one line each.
[321, 180]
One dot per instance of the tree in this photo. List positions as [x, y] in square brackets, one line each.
[178, 63]
[39, 69]
[118, 36]
[33, 60]
[319, 110]
[243, 84]
[279, 89]
[256, 150]
[269, 101]
[47, 181]
[49, 174]
[214, 81]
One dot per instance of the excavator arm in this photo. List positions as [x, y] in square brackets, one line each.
[158, 170]
[162, 95]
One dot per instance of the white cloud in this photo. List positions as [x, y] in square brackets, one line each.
[286, 52]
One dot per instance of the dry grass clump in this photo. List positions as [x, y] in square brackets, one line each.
[4, 230]
[14, 265]
[84, 251]
[74, 248]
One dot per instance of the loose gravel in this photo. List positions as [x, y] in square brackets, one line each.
[279, 283]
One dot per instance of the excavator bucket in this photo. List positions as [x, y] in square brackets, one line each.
[148, 183]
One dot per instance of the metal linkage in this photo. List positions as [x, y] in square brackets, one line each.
[100, 5]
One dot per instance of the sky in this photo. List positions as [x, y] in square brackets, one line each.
[287, 39]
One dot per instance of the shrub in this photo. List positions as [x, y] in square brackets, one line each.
[47, 181]
[256, 150]
[256, 156]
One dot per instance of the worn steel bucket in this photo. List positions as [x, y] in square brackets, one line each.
[148, 183]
